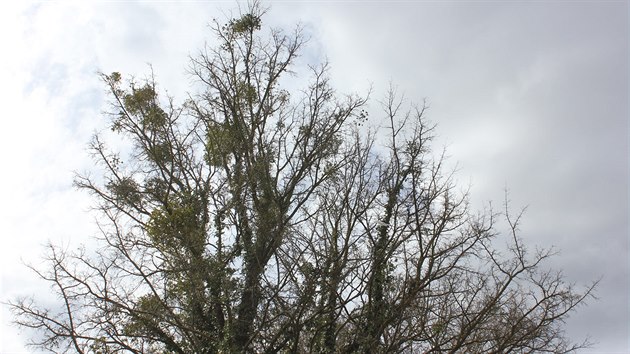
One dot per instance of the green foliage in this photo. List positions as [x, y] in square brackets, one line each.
[126, 191]
[247, 92]
[147, 313]
[115, 77]
[438, 327]
[178, 227]
[157, 188]
[219, 143]
[247, 23]
[99, 346]
[140, 98]
[165, 224]
[154, 118]
[160, 153]
[139, 103]
[143, 102]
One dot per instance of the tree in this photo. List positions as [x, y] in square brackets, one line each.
[253, 219]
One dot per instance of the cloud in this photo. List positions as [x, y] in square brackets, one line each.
[528, 95]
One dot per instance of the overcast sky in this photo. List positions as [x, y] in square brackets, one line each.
[528, 95]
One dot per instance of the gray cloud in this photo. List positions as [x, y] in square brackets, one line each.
[532, 96]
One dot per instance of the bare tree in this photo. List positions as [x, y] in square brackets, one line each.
[253, 219]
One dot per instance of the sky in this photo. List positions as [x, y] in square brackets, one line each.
[531, 96]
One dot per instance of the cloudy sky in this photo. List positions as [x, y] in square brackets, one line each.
[528, 95]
